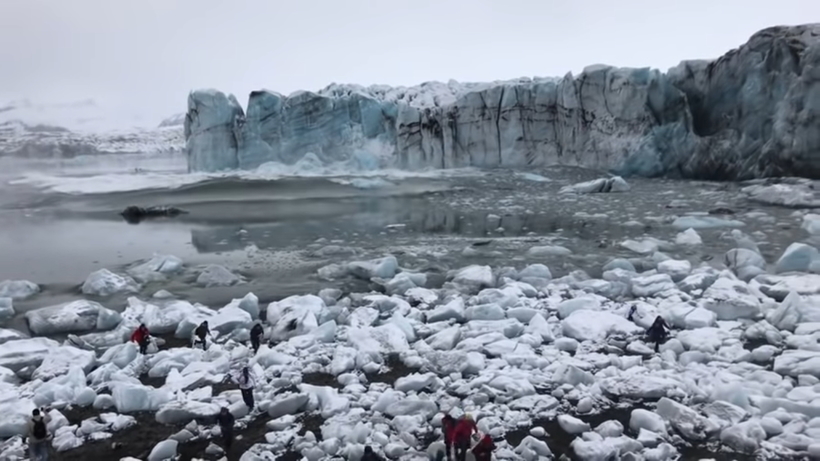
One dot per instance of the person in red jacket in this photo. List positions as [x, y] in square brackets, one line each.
[465, 428]
[448, 427]
[483, 451]
[141, 336]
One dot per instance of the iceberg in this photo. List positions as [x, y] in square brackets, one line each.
[697, 120]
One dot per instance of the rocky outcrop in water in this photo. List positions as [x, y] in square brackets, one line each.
[751, 113]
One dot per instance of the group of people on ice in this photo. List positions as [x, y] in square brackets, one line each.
[244, 378]
[458, 433]
[458, 437]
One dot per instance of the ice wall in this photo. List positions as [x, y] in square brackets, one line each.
[753, 112]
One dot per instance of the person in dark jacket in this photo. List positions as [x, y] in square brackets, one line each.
[226, 420]
[658, 332]
[256, 337]
[483, 451]
[38, 435]
[448, 427]
[201, 335]
[465, 428]
[632, 311]
[142, 337]
[370, 455]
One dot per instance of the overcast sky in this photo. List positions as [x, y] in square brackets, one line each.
[146, 55]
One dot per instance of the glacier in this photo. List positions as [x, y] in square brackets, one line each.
[754, 112]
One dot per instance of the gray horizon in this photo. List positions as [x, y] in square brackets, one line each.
[143, 59]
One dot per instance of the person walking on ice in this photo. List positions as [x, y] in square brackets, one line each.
[246, 381]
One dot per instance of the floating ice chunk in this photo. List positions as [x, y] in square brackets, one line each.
[75, 316]
[6, 308]
[403, 282]
[788, 195]
[446, 339]
[18, 289]
[792, 311]
[105, 283]
[16, 355]
[699, 280]
[215, 275]
[798, 257]
[572, 425]
[731, 300]
[155, 269]
[675, 268]
[294, 316]
[384, 268]
[689, 237]
[548, 250]
[645, 419]
[535, 271]
[585, 325]
[704, 222]
[249, 303]
[600, 185]
[686, 420]
[474, 278]
[163, 451]
[651, 285]
[811, 223]
[740, 258]
[646, 246]
[779, 286]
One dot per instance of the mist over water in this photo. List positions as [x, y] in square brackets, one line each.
[61, 219]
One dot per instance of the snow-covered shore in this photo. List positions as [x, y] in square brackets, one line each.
[514, 347]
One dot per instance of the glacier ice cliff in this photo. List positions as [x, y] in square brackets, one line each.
[753, 112]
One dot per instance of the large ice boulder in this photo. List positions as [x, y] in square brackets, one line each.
[76, 316]
[384, 268]
[614, 184]
[294, 316]
[105, 283]
[799, 257]
[587, 325]
[18, 289]
[131, 397]
[155, 269]
[22, 353]
[215, 275]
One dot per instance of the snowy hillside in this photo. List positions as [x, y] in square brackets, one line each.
[30, 129]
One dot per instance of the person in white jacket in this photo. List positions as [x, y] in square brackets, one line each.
[246, 381]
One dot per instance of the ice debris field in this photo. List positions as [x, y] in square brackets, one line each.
[532, 358]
